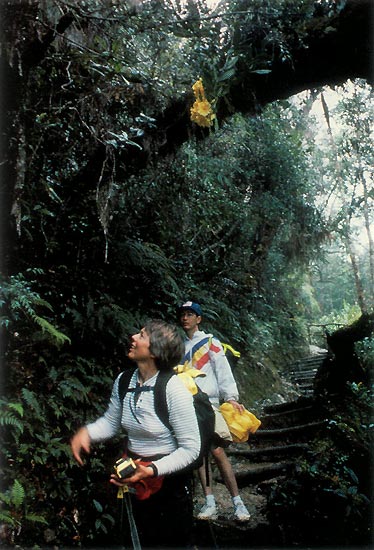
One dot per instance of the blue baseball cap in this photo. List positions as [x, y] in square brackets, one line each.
[193, 306]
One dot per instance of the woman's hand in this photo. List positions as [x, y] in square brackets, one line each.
[81, 440]
[142, 472]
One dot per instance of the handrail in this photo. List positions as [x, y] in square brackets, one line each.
[322, 325]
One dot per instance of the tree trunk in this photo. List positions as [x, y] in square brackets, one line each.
[370, 240]
[356, 274]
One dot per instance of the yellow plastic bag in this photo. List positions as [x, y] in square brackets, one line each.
[240, 424]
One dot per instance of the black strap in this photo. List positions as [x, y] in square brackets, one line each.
[140, 389]
[161, 406]
[124, 381]
[160, 403]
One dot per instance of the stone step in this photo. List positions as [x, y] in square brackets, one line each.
[269, 457]
[311, 358]
[255, 473]
[297, 404]
[307, 392]
[310, 374]
[290, 418]
[300, 432]
[270, 453]
[304, 384]
[226, 532]
[306, 363]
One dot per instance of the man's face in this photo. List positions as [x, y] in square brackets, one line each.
[189, 320]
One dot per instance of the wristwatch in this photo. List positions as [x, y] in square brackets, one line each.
[154, 468]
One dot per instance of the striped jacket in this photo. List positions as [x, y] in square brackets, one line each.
[147, 435]
[205, 353]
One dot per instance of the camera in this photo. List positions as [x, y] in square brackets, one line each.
[125, 467]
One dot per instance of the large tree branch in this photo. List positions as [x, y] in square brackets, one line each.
[332, 50]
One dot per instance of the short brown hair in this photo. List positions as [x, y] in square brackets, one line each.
[166, 343]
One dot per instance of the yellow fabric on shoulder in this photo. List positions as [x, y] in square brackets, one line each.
[240, 424]
[227, 347]
[187, 376]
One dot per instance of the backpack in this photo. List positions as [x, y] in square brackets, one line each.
[203, 409]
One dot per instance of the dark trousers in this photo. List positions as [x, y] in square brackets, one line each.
[165, 519]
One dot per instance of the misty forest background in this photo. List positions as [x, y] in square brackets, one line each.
[116, 206]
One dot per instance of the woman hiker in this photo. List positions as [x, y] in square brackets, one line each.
[165, 518]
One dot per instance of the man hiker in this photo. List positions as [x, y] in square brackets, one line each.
[205, 353]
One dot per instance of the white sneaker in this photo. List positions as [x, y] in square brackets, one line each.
[241, 513]
[208, 511]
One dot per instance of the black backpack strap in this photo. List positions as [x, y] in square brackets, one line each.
[124, 381]
[161, 406]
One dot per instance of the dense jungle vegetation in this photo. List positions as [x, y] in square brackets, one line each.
[118, 202]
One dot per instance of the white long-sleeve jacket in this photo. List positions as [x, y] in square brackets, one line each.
[205, 353]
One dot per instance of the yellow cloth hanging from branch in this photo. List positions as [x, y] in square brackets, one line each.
[201, 111]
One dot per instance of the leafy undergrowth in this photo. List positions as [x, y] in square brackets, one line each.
[328, 499]
[46, 498]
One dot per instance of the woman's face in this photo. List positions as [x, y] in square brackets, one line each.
[139, 350]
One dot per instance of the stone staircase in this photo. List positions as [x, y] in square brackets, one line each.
[301, 373]
[270, 455]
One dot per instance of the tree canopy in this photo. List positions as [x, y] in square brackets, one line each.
[116, 81]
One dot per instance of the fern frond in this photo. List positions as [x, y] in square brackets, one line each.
[34, 518]
[73, 388]
[16, 407]
[7, 418]
[32, 401]
[144, 255]
[171, 288]
[17, 494]
[5, 498]
[41, 302]
[23, 300]
[7, 518]
[58, 337]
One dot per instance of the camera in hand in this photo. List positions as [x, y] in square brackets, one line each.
[125, 467]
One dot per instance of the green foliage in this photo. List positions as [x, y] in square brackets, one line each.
[20, 303]
[236, 225]
[346, 175]
[58, 397]
[365, 352]
[14, 513]
[347, 315]
[11, 415]
[333, 282]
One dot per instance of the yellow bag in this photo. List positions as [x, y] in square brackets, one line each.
[240, 424]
